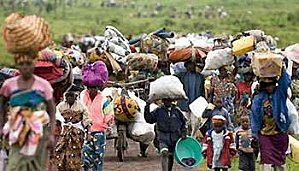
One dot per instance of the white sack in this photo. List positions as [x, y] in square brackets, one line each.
[166, 87]
[140, 127]
[218, 58]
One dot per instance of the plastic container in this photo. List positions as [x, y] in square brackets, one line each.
[188, 148]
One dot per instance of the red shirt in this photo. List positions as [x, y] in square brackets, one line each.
[243, 88]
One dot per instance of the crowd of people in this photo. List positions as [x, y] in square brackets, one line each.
[247, 115]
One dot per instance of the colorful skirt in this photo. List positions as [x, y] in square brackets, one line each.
[273, 148]
[93, 151]
[68, 150]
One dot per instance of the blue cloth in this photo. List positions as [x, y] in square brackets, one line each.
[193, 86]
[278, 102]
[171, 124]
[28, 98]
[93, 152]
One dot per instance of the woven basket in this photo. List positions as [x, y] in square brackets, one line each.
[23, 34]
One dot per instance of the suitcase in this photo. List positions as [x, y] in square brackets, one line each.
[243, 45]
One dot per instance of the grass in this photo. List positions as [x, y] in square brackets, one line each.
[277, 18]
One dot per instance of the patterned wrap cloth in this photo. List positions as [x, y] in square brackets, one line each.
[68, 150]
[26, 121]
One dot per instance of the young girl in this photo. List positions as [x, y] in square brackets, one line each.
[218, 145]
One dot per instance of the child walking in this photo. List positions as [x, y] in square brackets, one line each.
[171, 125]
[246, 146]
[218, 145]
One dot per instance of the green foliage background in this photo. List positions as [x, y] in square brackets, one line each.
[279, 18]
[276, 17]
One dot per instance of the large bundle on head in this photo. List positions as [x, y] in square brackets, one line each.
[218, 58]
[125, 108]
[137, 61]
[155, 44]
[56, 70]
[97, 54]
[267, 64]
[182, 55]
[166, 87]
[25, 34]
[95, 74]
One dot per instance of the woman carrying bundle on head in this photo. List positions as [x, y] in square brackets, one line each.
[31, 103]
[270, 120]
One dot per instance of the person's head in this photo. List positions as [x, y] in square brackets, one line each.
[70, 97]
[268, 84]
[25, 64]
[223, 72]
[93, 90]
[167, 102]
[218, 102]
[190, 66]
[245, 121]
[218, 122]
[248, 77]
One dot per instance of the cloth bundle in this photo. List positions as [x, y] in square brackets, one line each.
[156, 45]
[23, 34]
[137, 61]
[125, 108]
[50, 56]
[184, 54]
[26, 120]
[94, 74]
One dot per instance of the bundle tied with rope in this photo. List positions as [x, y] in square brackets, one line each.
[25, 36]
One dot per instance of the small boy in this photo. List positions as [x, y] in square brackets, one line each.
[171, 125]
[246, 146]
[218, 145]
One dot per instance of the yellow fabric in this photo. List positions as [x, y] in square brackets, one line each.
[131, 106]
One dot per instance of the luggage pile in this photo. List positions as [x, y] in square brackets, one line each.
[123, 58]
